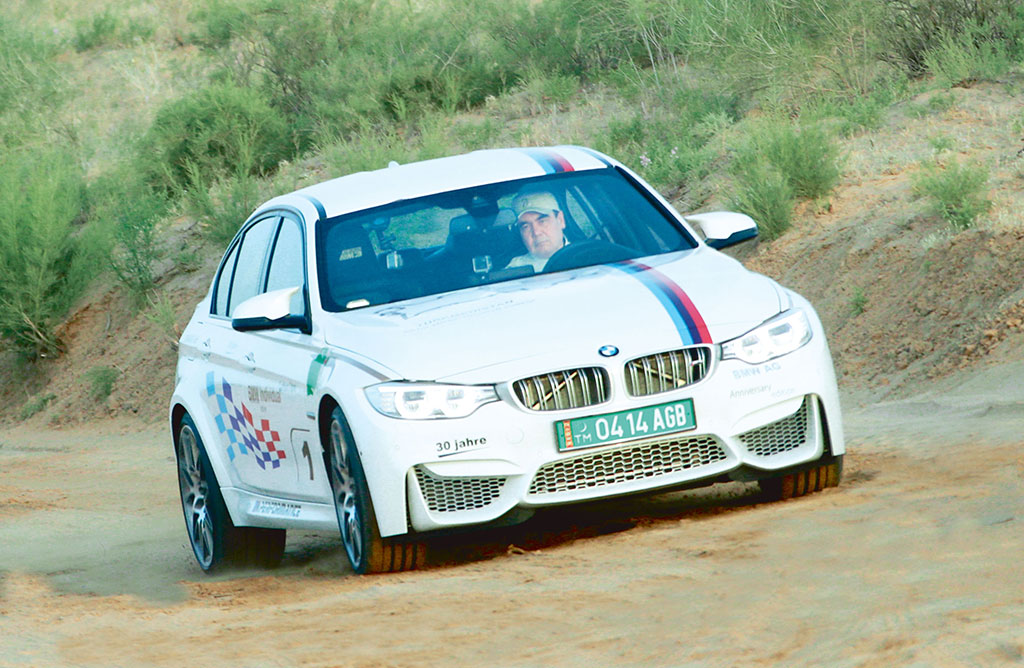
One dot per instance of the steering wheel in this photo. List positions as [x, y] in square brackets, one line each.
[586, 253]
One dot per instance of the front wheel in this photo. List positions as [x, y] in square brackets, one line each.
[367, 551]
[804, 482]
[216, 542]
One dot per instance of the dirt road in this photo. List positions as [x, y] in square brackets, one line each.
[915, 560]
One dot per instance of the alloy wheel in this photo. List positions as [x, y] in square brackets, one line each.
[195, 492]
[346, 501]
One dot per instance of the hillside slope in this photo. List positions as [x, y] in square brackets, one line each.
[906, 300]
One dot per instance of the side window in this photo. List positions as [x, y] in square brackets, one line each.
[286, 265]
[252, 257]
[220, 306]
[286, 262]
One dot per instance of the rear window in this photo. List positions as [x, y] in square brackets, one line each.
[488, 234]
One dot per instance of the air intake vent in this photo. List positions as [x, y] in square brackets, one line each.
[649, 459]
[662, 372]
[452, 495]
[787, 434]
[559, 390]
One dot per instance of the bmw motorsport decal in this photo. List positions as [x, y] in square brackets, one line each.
[687, 319]
[551, 162]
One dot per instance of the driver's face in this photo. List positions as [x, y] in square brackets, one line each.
[542, 235]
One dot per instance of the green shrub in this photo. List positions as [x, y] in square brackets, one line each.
[128, 211]
[139, 30]
[669, 146]
[858, 302]
[806, 156]
[31, 87]
[35, 405]
[915, 30]
[474, 135]
[222, 206]
[100, 30]
[764, 193]
[857, 110]
[667, 152]
[101, 381]
[40, 199]
[209, 134]
[778, 162]
[217, 23]
[135, 250]
[956, 192]
[966, 57]
[162, 315]
[572, 37]
[545, 92]
[366, 150]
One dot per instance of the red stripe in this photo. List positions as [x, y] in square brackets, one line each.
[562, 164]
[703, 335]
[691, 308]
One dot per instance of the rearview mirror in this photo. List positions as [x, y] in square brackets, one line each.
[724, 228]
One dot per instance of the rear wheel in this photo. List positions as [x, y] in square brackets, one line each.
[216, 542]
[805, 482]
[367, 551]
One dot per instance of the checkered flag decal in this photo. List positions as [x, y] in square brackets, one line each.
[240, 428]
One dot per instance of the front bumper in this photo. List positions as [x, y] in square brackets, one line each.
[750, 419]
[439, 497]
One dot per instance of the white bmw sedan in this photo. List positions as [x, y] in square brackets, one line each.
[459, 341]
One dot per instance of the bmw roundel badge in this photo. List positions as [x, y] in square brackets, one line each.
[608, 351]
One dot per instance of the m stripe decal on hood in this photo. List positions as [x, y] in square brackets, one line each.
[688, 321]
[549, 160]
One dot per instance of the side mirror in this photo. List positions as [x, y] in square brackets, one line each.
[270, 310]
[724, 228]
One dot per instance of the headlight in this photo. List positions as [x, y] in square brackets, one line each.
[428, 401]
[779, 336]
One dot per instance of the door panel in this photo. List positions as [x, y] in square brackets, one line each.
[256, 382]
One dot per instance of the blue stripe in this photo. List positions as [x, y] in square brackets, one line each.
[669, 302]
[542, 159]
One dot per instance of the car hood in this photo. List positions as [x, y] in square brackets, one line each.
[560, 320]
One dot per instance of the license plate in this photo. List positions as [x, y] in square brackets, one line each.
[595, 430]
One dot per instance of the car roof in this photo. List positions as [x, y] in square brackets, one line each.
[364, 190]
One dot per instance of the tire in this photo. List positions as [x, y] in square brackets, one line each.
[804, 482]
[367, 551]
[216, 542]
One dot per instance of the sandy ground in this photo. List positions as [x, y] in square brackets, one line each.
[914, 560]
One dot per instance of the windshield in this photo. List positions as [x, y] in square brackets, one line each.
[497, 232]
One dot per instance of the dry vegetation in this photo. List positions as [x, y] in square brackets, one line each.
[902, 232]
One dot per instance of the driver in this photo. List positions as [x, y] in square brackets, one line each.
[540, 225]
